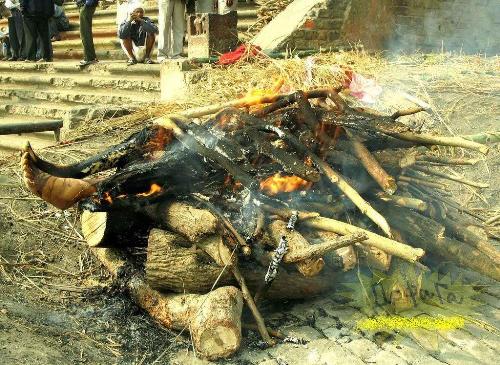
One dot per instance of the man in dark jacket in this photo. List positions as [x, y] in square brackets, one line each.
[137, 33]
[36, 14]
[87, 10]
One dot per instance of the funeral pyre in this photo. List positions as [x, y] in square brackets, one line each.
[267, 199]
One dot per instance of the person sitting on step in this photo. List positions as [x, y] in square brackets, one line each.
[58, 22]
[137, 36]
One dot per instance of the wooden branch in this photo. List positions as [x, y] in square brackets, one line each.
[385, 244]
[404, 201]
[459, 228]
[372, 166]
[336, 179]
[422, 231]
[245, 248]
[442, 160]
[486, 137]
[422, 181]
[232, 262]
[441, 141]
[401, 113]
[296, 242]
[214, 319]
[244, 102]
[320, 249]
[450, 177]
[288, 161]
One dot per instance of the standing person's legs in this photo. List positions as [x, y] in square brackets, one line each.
[178, 28]
[86, 14]
[16, 33]
[43, 31]
[31, 37]
[165, 10]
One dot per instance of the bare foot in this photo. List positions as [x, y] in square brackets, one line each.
[60, 192]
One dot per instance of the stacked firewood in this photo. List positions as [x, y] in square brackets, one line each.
[253, 204]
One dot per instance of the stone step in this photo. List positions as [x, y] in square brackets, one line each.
[15, 142]
[72, 114]
[135, 83]
[152, 12]
[100, 69]
[127, 98]
[106, 39]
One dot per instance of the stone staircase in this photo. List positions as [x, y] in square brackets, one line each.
[61, 90]
[105, 30]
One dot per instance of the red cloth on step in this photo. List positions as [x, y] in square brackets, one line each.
[242, 52]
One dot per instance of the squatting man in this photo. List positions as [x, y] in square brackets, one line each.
[137, 36]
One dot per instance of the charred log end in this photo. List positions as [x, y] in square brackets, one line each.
[311, 267]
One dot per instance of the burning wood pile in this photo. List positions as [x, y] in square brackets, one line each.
[254, 203]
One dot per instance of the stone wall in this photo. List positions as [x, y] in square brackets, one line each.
[468, 26]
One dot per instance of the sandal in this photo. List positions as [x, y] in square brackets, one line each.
[131, 62]
[148, 61]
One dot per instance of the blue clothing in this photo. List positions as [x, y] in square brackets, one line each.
[137, 31]
[37, 8]
[89, 3]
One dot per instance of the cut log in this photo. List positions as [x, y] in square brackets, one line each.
[214, 319]
[169, 258]
[184, 219]
[296, 242]
[113, 229]
[165, 272]
[374, 258]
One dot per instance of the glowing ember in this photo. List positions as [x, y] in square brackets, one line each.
[155, 188]
[283, 184]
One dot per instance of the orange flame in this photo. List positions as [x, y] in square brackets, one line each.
[155, 188]
[283, 184]
[106, 196]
